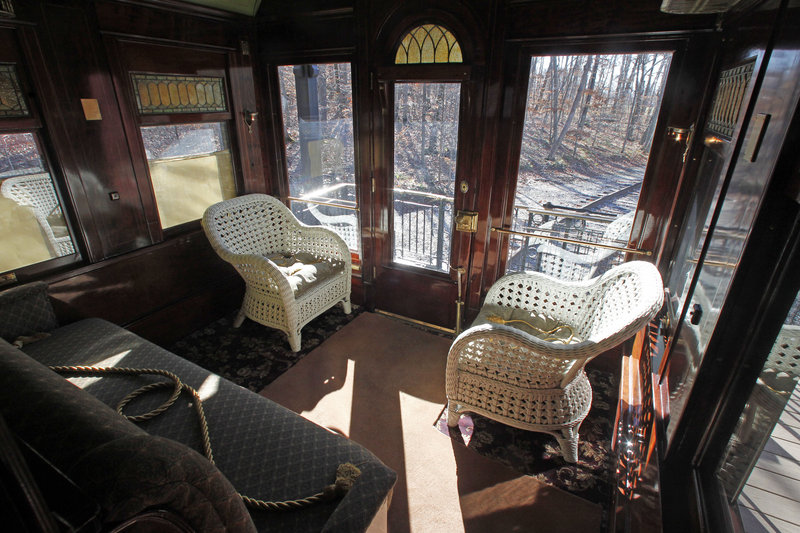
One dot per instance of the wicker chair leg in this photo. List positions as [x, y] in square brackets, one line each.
[569, 444]
[346, 306]
[239, 320]
[452, 415]
[294, 341]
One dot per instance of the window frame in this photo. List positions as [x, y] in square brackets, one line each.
[35, 125]
[280, 138]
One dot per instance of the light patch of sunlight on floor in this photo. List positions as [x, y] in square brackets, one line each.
[83, 382]
[431, 470]
[329, 406]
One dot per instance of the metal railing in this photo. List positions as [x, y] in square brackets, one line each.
[563, 242]
[423, 223]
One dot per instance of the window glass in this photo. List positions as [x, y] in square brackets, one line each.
[589, 123]
[32, 224]
[317, 105]
[190, 169]
[425, 156]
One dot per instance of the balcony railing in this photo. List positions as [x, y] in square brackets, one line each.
[423, 223]
[566, 243]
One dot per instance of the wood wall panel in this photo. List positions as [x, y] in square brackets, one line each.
[533, 19]
[77, 67]
[158, 279]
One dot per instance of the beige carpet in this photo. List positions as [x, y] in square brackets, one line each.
[380, 382]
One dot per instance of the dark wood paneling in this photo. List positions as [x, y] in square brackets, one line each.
[534, 19]
[149, 283]
[161, 22]
[77, 69]
[257, 174]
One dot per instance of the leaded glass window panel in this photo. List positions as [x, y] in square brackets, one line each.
[12, 101]
[428, 43]
[169, 93]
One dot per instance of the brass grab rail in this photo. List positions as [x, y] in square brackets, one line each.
[305, 200]
[574, 241]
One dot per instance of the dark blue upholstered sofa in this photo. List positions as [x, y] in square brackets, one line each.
[260, 448]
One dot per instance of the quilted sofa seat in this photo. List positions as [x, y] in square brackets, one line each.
[264, 450]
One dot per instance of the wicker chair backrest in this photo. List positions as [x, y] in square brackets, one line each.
[251, 224]
[35, 190]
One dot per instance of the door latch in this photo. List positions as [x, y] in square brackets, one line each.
[467, 221]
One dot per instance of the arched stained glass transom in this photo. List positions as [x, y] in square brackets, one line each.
[428, 43]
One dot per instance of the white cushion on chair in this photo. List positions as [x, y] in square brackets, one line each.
[531, 322]
[303, 270]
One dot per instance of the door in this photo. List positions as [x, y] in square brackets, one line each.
[419, 182]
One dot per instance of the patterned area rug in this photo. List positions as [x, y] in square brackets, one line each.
[254, 355]
[538, 454]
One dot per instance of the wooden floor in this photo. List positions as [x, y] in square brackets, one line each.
[771, 499]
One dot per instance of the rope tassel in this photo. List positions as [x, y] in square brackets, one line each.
[346, 473]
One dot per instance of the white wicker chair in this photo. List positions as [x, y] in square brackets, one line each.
[255, 233]
[510, 374]
[564, 264]
[346, 225]
[36, 191]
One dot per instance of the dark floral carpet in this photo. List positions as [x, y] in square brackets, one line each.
[538, 454]
[254, 355]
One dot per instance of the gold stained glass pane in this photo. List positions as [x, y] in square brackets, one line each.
[428, 43]
[170, 93]
[12, 101]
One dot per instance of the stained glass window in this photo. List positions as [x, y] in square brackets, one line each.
[12, 101]
[429, 43]
[169, 93]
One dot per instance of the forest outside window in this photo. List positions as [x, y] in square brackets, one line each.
[32, 223]
[587, 135]
[317, 105]
[190, 169]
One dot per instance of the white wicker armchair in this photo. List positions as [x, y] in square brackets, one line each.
[531, 375]
[554, 260]
[293, 272]
[36, 191]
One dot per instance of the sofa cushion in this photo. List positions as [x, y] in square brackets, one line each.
[265, 450]
[125, 470]
[26, 310]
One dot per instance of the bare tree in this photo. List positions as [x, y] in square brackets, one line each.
[573, 108]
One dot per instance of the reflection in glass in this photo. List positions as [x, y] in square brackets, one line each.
[589, 123]
[32, 223]
[762, 413]
[190, 169]
[425, 155]
[317, 103]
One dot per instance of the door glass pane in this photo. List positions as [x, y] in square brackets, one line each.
[190, 169]
[425, 155]
[589, 123]
[760, 464]
[32, 223]
[317, 104]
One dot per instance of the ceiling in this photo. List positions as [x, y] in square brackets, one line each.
[243, 7]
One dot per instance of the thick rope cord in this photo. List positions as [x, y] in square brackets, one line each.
[346, 474]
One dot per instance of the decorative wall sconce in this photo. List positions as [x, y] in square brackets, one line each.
[677, 134]
[249, 118]
[680, 135]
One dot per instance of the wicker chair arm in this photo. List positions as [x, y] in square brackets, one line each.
[507, 354]
[262, 274]
[517, 337]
